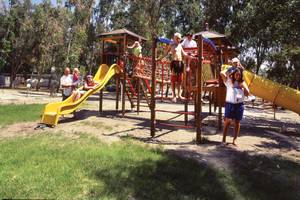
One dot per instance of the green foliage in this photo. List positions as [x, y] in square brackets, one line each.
[42, 35]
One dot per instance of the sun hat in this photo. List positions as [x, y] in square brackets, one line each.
[235, 60]
[178, 35]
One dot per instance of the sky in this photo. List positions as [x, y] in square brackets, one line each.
[53, 2]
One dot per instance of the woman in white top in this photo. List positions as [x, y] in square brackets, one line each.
[234, 106]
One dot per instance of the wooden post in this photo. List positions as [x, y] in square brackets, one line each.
[138, 95]
[210, 100]
[100, 101]
[117, 91]
[199, 89]
[124, 83]
[186, 103]
[101, 91]
[153, 84]
[219, 91]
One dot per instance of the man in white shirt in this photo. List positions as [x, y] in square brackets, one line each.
[188, 42]
[66, 82]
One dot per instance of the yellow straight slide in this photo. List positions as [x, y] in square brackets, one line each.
[53, 111]
[276, 93]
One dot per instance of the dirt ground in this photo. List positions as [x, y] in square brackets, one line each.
[260, 132]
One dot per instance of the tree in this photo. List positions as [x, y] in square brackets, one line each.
[17, 39]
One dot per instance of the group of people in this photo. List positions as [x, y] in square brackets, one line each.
[70, 84]
[232, 78]
[177, 66]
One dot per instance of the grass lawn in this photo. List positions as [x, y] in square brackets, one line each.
[11, 113]
[54, 166]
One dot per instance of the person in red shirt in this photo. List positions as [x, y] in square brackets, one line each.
[88, 85]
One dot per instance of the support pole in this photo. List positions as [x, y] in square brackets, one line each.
[219, 90]
[186, 92]
[117, 91]
[100, 101]
[153, 84]
[199, 90]
[138, 95]
[124, 83]
[101, 91]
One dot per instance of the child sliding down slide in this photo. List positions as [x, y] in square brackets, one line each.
[88, 84]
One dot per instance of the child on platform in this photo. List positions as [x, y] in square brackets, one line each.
[234, 106]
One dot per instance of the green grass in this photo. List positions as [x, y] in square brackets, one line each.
[11, 113]
[81, 167]
[52, 166]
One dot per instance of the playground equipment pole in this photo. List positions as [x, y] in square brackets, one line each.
[219, 91]
[100, 101]
[152, 104]
[117, 91]
[198, 102]
[186, 92]
[138, 95]
[124, 81]
[101, 91]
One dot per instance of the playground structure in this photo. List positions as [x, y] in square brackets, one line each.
[138, 78]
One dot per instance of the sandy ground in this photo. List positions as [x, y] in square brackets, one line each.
[260, 132]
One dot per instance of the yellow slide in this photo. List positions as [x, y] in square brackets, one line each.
[276, 93]
[53, 111]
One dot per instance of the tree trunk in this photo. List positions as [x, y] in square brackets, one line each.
[38, 82]
[12, 78]
[13, 74]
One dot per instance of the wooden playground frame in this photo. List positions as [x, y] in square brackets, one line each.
[223, 52]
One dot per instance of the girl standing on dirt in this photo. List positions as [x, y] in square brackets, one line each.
[234, 106]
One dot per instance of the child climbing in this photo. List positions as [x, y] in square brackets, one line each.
[234, 106]
[138, 64]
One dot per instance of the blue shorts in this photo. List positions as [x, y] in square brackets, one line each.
[234, 111]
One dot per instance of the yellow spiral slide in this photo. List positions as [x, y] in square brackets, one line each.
[53, 111]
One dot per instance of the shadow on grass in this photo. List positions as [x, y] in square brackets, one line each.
[253, 176]
[169, 178]
[266, 177]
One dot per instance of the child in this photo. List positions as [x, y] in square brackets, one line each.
[76, 78]
[88, 84]
[234, 106]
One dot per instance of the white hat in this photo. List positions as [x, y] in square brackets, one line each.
[235, 60]
[178, 35]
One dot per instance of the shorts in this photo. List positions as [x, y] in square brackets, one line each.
[176, 78]
[177, 67]
[234, 111]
